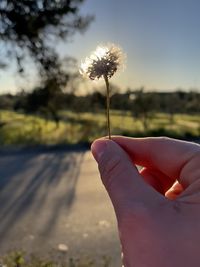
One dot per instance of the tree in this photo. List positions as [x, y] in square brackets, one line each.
[193, 99]
[29, 28]
[143, 106]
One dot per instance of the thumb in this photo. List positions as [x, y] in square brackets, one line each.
[120, 177]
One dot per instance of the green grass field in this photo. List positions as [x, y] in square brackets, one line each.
[21, 129]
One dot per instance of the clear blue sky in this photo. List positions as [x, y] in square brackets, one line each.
[160, 38]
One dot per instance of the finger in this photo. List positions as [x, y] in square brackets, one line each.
[159, 181]
[174, 191]
[120, 177]
[174, 158]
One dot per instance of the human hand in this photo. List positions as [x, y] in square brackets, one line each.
[158, 207]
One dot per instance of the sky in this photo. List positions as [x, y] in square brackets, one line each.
[161, 40]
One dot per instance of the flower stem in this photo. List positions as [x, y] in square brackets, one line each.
[107, 105]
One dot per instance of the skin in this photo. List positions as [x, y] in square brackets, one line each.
[158, 207]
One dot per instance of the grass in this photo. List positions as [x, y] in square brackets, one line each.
[22, 129]
[20, 259]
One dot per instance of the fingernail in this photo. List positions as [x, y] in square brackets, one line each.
[98, 148]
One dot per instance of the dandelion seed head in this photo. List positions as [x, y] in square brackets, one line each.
[103, 62]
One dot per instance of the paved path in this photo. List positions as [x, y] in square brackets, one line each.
[52, 201]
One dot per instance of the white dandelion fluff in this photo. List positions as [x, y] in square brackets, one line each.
[103, 62]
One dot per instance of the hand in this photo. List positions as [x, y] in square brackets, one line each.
[158, 207]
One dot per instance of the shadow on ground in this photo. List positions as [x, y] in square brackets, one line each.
[35, 190]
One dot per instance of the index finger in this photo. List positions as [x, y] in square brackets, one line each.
[179, 160]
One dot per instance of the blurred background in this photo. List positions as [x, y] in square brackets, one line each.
[49, 113]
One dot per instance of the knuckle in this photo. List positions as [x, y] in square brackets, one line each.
[137, 213]
[109, 168]
[190, 173]
[164, 139]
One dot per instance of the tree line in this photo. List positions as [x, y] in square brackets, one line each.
[142, 104]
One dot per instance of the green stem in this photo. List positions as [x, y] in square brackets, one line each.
[107, 105]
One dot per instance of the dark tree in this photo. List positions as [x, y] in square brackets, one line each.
[144, 104]
[31, 27]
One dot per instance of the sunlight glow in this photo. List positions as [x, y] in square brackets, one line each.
[100, 52]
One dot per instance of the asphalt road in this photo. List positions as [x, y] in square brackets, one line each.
[52, 203]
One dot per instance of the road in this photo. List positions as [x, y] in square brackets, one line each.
[52, 203]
